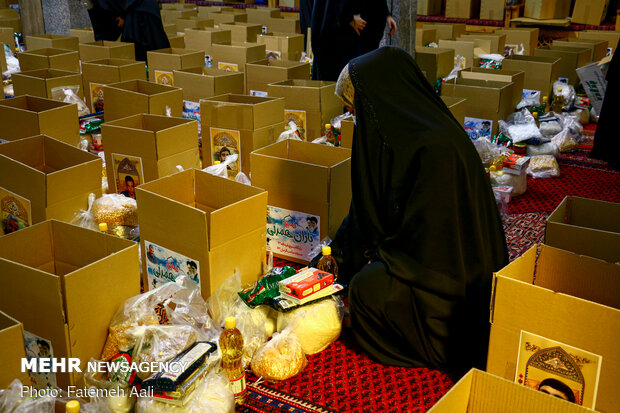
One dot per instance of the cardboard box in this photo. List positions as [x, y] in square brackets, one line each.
[497, 98]
[176, 41]
[498, 41]
[205, 205]
[223, 17]
[234, 56]
[429, 7]
[170, 29]
[288, 46]
[481, 46]
[283, 25]
[6, 36]
[587, 227]
[547, 9]
[571, 59]
[425, 36]
[540, 72]
[14, 23]
[481, 392]
[203, 11]
[243, 123]
[294, 4]
[25, 116]
[97, 73]
[446, 31]
[521, 36]
[462, 9]
[461, 48]
[8, 12]
[436, 62]
[611, 37]
[60, 59]
[261, 15]
[52, 41]
[84, 35]
[206, 82]
[557, 294]
[51, 179]
[591, 12]
[243, 32]
[139, 96]
[154, 144]
[262, 73]
[324, 196]
[492, 9]
[593, 77]
[12, 342]
[311, 100]
[104, 49]
[162, 62]
[598, 47]
[192, 22]
[178, 6]
[42, 82]
[499, 75]
[347, 132]
[59, 280]
[3, 66]
[202, 39]
[457, 106]
[171, 15]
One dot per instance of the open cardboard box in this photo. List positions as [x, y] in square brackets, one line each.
[611, 37]
[220, 227]
[13, 22]
[447, 31]
[499, 75]
[25, 116]
[13, 350]
[139, 96]
[585, 226]
[7, 37]
[481, 392]
[347, 132]
[564, 297]
[153, 145]
[224, 17]
[171, 15]
[261, 15]
[540, 72]
[47, 178]
[498, 41]
[41, 82]
[283, 25]
[64, 283]
[243, 32]
[463, 48]
[517, 36]
[202, 39]
[97, 73]
[310, 103]
[205, 82]
[176, 41]
[241, 124]
[572, 58]
[52, 41]
[436, 62]
[590, 12]
[598, 48]
[547, 9]
[84, 34]
[191, 22]
[203, 11]
[424, 36]
[162, 62]
[287, 45]
[104, 49]
[263, 72]
[457, 107]
[309, 188]
[234, 56]
[60, 59]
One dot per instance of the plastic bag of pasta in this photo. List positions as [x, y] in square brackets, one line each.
[280, 358]
[544, 166]
[119, 212]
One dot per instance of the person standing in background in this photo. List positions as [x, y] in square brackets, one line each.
[376, 15]
[305, 18]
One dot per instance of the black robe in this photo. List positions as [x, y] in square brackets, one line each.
[424, 213]
[103, 20]
[606, 141]
[305, 18]
[334, 42]
[375, 13]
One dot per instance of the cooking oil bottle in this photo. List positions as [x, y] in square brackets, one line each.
[231, 346]
[328, 263]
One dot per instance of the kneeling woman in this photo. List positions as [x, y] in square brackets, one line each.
[423, 235]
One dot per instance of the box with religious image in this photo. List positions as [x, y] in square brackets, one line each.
[163, 62]
[137, 96]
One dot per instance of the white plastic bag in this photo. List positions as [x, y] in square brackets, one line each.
[337, 121]
[532, 99]
[221, 169]
[242, 178]
[459, 64]
[322, 141]
[291, 133]
[517, 182]
[280, 358]
[520, 126]
[487, 150]
[69, 94]
[548, 148]
[84, 218]
[12, 63]
[491, 61]
[544, 166]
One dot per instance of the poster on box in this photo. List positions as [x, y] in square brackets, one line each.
[127, 173]
[15, 212]
[477, 128]
[96, 96]
[558, 369]
[229, 67]
[297, 116]
[38, 347]
[163, 77]
[274, 55]
[164, 266]
[226, 142]
[292, 233]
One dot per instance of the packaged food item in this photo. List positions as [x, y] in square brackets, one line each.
[548, 148]
[84, 218]
[517, 182]
[69, 94]
[221, 168]
[90, 125]
[564, 141]
[549, 125]
[520, 126]
[491, 61]
[116, 210]
[231, 347]
[563, 96]
[267, 287]
[280, 358]
[306, 283]
[544, 166]
[328, 263]
[291, 132]
[515, 164]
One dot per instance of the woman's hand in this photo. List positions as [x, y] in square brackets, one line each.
[391, 23]
[120, 22]
[358, 23]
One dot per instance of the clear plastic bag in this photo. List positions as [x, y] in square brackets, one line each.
[337, 121]
[564, 141]
[69, 94]
[564, 92]
[318, 326]
[520, 126]
[571, 124]
[291, 133]
[12, 401]
[532, 99]
[487, 150]
[502, 204]
[550, 126]
[544, 166]
[280, 358]
[12, 63]
[548, 148]
[322, 141]
[221, 169]
[120, 402]
[84, 218]
[242, 178]
[459, 64]
[517, 182]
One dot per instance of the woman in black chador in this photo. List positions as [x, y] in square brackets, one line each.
[423, 235]
[606, 141]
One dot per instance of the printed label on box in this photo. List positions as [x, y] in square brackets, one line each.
[229, 67]
[127, 173]
[476, 128]
[208, 61]
[96, 96]
[164, 266]
[191, 110]
[558, 369]
[38, 347]
[274, 55]
[297, 116]
[292, 233]
[15, 212]
[163, 77]
[259, 93]
[225, 142]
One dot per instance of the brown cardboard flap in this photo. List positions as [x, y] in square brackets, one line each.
[241, 111]
[339, 194]
[309, 95]
[592, 213]
[12, 343]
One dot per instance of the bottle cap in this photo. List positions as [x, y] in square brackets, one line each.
[230, 323]
[560, 90]
[535, 114]
[216, 162]
[103, 227]
[328, 126]
[73, 406]
[326, 250]
[493, 168]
